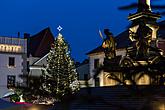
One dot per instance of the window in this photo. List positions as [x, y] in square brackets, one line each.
[1, 48]
[19, 49]
[11, 81]
[11, 61]
[96, 63]
[5, 48]
[12, 49]
[8, 49]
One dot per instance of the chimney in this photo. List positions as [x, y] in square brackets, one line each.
[18, 34]
[26, 35]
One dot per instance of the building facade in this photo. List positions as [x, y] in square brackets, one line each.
[97, 55]
[13, 63]
[39, 47]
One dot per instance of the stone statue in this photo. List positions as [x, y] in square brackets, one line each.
[142, 37]
[144, 6]
[109, 45]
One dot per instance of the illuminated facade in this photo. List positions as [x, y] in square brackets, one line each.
[138, 46]
[13, 62]
[123, 42]
[103, 79]
[22, 56]
[10, 48]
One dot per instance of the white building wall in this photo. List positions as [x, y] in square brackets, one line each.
[12, 47]
[83, 69]
[32, 60]
[92, 57]
[6, 70]
[101, 78]
[37, 65]
[100, 56]
[36, 70]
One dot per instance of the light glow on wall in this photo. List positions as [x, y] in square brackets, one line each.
[144, 80]
[10, 48]
[108, 81]
[154, 30]
[162, 107]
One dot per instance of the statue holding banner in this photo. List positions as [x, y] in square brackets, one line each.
[109, 45]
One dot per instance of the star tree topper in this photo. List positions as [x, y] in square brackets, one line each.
[59, 28]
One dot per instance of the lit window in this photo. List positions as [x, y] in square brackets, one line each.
[11, 61]
[8, 49]
[1, 48]
[19, 49]
[11, 81]
[15, 49]
[12, 49]
[5, 48]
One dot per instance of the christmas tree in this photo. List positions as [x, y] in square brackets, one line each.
[60, 76]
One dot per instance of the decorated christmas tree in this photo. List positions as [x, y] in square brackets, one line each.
[60, 77]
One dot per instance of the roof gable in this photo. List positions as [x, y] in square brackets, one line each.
[40, 44]
[42, 61]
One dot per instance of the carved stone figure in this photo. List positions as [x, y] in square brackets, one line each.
[144, 34]
[109, 45]
[142, 37]
[144, 6]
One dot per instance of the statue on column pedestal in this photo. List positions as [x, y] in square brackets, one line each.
[142, 37]
[144, 6]
[144, 34]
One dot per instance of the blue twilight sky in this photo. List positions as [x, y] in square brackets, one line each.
[80, 19]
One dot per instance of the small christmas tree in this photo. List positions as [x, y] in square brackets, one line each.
[60, 77]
